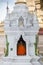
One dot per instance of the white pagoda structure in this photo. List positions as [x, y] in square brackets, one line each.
[21, 28]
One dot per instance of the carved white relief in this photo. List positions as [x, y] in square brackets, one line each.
[21, 22]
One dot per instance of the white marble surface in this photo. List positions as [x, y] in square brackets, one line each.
[9, 61]
[14, 62]
[36, 63]
[13, 29]
[3, 62]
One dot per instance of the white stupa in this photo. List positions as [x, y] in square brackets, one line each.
[21, 29]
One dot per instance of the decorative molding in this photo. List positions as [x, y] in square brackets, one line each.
[20, 2]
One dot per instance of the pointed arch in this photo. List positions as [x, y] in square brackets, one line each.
[21, 46]
[21, 21]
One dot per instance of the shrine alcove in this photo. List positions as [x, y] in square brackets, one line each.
[21, 47]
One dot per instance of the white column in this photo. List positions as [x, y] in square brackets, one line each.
[27, 49]
[31, 49]
[11, 45]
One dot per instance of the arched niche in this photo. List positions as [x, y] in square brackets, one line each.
[21, 47]
[21, 21]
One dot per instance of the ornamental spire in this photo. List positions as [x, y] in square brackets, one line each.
[7, 8]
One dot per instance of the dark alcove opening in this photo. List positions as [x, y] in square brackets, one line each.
[21, 47]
